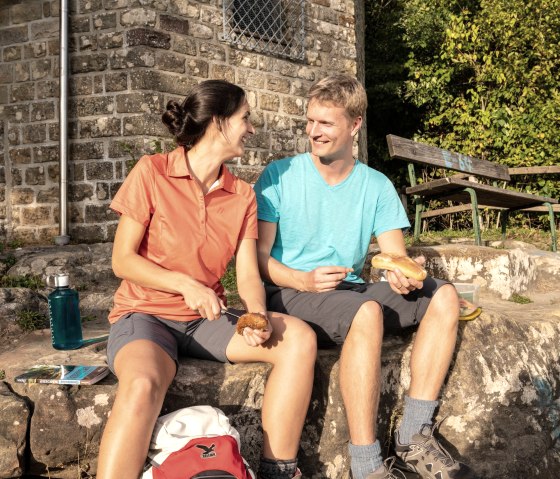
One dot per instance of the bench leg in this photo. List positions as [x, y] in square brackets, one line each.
[418, 218]
[505, 218]
[552, 227]
[476, 223]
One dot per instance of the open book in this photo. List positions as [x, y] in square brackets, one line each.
[63, 374]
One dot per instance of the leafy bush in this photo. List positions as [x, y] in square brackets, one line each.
[29, 320]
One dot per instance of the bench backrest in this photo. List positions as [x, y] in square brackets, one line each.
[421, 153]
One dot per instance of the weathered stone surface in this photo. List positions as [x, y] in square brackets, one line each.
[500, 397]
[14, 426]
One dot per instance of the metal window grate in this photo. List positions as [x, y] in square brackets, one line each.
[276, 27]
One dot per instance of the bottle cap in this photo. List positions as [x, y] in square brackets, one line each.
[58, 280]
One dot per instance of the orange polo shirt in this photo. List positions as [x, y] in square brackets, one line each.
[186, 231]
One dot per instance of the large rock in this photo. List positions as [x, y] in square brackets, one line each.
[500, 397]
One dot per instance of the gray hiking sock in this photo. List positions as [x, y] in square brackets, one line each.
[416, 413]
[365, 459]
[277, 469]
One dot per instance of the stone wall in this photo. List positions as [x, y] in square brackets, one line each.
[127, 59]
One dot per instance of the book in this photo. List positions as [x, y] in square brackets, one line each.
[63, 374]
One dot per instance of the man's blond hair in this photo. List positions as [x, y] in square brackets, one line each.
[342, 90]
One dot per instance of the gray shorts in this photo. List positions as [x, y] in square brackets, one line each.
[330, 314]
[200, 338]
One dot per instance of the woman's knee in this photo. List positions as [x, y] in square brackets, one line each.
[143, 388]
[299, 340]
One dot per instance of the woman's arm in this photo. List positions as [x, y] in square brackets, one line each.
[250, 288]
[128, 264]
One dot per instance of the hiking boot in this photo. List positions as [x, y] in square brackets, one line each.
[387, 472]
[297, 475]
[426, 457]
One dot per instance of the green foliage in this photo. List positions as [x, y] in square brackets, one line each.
[229, 282]
[486, 74]
[29, 320]
[517, 298]
[9, 260]
[26, 281]
[2, 374]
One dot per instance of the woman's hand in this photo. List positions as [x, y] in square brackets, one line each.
[256, 337]
[202, 299]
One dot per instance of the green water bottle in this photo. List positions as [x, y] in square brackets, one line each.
[66, 324]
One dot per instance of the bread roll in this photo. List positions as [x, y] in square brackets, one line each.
[252, 320]
[406, 265]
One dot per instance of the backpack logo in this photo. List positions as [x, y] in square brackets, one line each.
[207, 451]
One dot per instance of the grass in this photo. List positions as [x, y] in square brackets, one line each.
[2, 374]
[517, 298]
[27, 281]
[229, 282]
[29, 320]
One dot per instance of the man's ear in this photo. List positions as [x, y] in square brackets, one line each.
[356, 125]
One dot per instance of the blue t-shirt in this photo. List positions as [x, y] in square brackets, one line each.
[323, 225]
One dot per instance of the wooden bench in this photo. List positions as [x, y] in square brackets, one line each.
[465, 188]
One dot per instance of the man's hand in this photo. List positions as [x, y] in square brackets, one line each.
[256, 337]
[400, 284]
[323, 278]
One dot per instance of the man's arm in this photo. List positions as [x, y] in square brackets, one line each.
[324, 278]
[392, 242]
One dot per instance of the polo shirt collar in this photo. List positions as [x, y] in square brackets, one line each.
[177, 167]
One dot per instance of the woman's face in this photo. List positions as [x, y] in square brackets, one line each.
[237, 128]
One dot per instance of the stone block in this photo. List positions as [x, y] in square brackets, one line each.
[53, 172]
[34, 133]
[12, 54]
[178, 25]
[115, 4]
[80, 192]
[35, 50]
[4, 95]
[186, 45]
[23, 92]
[104, 21]
[6, 73]
[49, 196]
[170, 62]
[99, 170]
[138, 17]
[248, 78]
[20, 156]
[100, 127]
[222, 72]
[91, 106]
[293, 106]
[278, 84]
[161, 82]
[79, 24]
[47, 89]
[269, 102]
[211, 51]
[88, 6]
[22, 72]
[16, 177]
[35, 175]
[53, 47]
[16, 113]
[11, 35]
[45, 154]
[40, 69]
[199, 30]
[99, 214]
[80, 85]
[44, 29]
[185, 9]
[116, 82]
[147, 124]
[242, 58]
[133, 57]
[102, 191]
[14, 136]
[88, 63]
[36, 216]
[197, 68]
[139, 102]
[110, 40]
[22, 196]
[85, 151]
[148, 37]
[42, 111]
[87, 43]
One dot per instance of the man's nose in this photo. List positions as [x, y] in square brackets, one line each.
[314, 130]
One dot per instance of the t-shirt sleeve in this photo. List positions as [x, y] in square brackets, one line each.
[268, 197]
[249, 228]
[135, 197]
[389, 213]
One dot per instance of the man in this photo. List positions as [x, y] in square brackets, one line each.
[317, 212]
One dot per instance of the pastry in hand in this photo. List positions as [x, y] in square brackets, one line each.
[406, 265]
[253, 321]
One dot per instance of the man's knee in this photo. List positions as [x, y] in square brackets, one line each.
[368, 319]
[444, 306]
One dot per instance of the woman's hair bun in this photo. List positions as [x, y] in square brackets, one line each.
[174, 117]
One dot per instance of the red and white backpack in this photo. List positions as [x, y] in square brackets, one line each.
[195, 443]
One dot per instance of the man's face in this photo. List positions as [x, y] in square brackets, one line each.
[331, 131]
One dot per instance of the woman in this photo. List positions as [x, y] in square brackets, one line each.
[183, 216]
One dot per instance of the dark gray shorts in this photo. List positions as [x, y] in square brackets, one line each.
[200, 338]
[330, 314]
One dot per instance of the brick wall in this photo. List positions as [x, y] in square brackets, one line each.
[127, 59]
